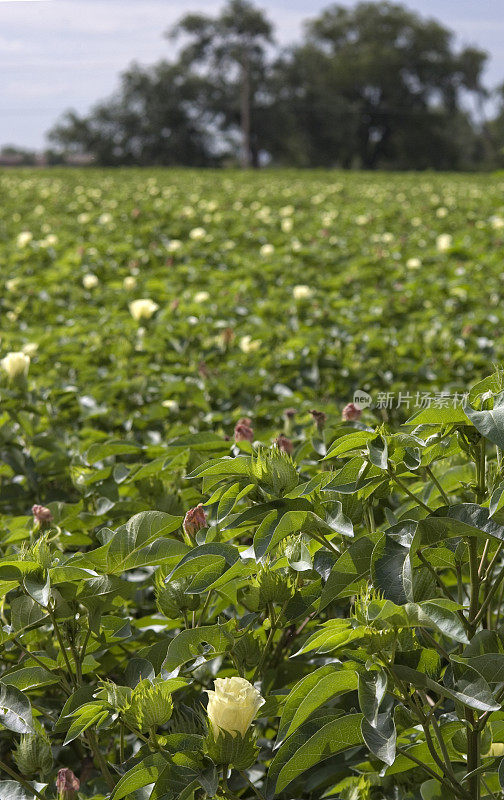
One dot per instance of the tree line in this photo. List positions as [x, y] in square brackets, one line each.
[371, 86]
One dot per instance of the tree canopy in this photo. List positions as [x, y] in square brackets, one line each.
[371, 86]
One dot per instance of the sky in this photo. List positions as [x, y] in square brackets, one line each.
[61, 54]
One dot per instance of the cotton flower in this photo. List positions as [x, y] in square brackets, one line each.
[249, 345]
[174, 245]
[16, 365]
[413, 263]
[41, 514]
[351, 412]
[201, 297]
[287, 224]
[197, 234]
[444, 242]
[232, 706]
[24, 238]
[30, 348]
[244, 431]
[90, 281]
[284, 444]
[129, 282]
[105, 219]
[67, 785]
[267, 250]
[302, 292]
[171, 405]
[195, 520]
[12, 284]
[143, 309]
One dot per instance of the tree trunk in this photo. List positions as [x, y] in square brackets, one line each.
[245, 112]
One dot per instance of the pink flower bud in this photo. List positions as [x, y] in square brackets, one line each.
[41, 514]
[284, 444]
[319, 418]
[243, 431]
[195, 520]
[351, 412]
[67, 784]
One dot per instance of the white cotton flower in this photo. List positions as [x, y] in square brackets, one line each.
[129, 282]
[197, 234]
[302, 292]
[201, 297]
[142, 309]
[173, 245]
[30, 348]
[16, 365]
[413, 263]
[233, 705]
[444, 242]
[90, 281]
[497, 223]
[249, 345]
[267, 250]
[12, 284]
[105, 219]
[24, 238]
[171, 405]
[287, 224]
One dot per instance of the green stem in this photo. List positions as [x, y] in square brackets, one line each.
[95, 749]
[410, 494]
[438, 485]
[19, 778]
[62, 646]
[205, 608]
[254, 789]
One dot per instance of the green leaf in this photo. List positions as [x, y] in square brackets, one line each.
[101, 450]
[472, 691]
[15, 710]
[142, 774]
[331, 738]
[129, 546]
[378, 452]
[310, 693]
[451, 415]
[208, 641]
[489, 423]
[350, 568]
[29, 678]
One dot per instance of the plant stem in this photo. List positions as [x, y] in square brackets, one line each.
[410, 494]
[95, 749]
[438, 485]
[19, 778]
[254, 789]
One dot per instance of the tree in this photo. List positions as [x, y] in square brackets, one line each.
[155, 118]
[232, 49]
[378, 85]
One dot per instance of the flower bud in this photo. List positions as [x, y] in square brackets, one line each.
[33, 755]
[319, 418]
[67, 785]
[232, 706]
[142, 309]
[16, 365]
[351, 413]
[42, 514]
[243, 431]
[284, 444]
[195, 520]
[151, 706]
